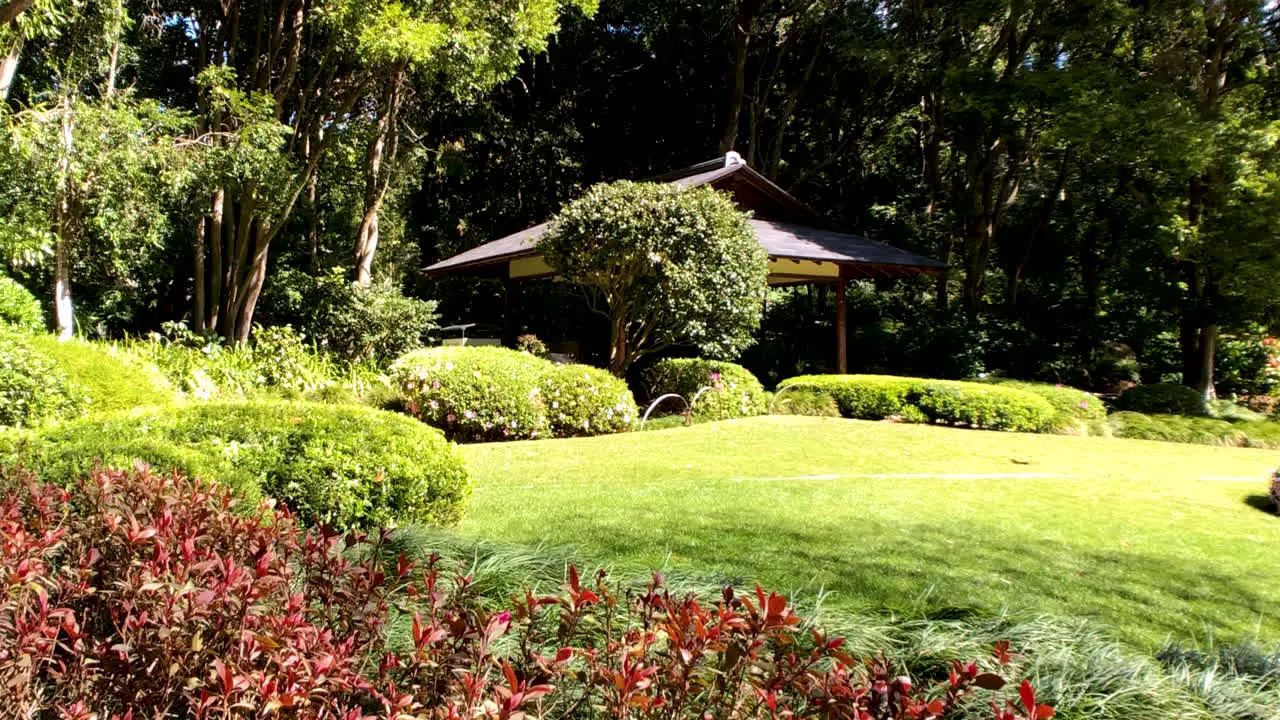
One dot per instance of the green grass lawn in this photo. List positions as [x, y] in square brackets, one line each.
[1150, 540]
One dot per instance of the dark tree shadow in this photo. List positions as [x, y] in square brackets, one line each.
[1261, 502]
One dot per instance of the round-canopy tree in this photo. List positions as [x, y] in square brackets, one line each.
[671, 265]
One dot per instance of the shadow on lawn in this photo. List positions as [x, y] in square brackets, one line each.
[925, 570]
[1261, 502]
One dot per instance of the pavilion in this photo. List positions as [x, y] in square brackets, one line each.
[800, 250]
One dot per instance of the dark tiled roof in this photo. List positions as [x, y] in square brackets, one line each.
[780, 239]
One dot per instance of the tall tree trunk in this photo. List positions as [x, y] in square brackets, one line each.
[1208, 350]
[618, 360]
[741, 30]
[9, 67]
[64, 313]
[252, 285]
[382, 151]
[198, 311]
[216, 239]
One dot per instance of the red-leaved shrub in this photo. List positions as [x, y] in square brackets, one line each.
[140, 595]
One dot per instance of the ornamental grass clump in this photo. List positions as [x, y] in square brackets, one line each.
[716, 390]
[143, 594]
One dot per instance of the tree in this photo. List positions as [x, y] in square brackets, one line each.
[672, 266]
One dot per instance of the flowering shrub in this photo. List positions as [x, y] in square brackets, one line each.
[138, 594]
[348, 466]
[1163, 398]
[33, 388]
[18, 307]
[981, 405]
[1074, 410]
[733, 391]
[490, 393]
[582, 400]
[475, 393]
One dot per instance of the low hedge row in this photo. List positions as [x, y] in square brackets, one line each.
[345, 466]
[733, 391]
[492, 393]
[980, 405]
[1076, 412]
[1194, 430]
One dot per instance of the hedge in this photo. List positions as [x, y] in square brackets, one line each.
[583, 400]
[345, 466]
[1076, 412]
[734, 392]
[112, 378]
[1164, 399]
[33, 389]
[18, 307]
[492, 393]
[981, 405]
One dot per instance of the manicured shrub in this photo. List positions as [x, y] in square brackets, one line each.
[879, 397]
[18, 307]
[1163, 398]
[1074, 410]
[113, 378]
[347, 466]
[583, 400]
[532, 345]
[733, 391]
[33, 388]
[801, 400]
[188, 609]
[475, 393]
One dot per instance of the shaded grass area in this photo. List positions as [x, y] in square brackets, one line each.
[1124, 534]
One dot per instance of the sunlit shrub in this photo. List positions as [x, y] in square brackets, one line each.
[1196, 430]
[582, 400]
[18, 307]
[731, 390]
[1074, 410]
[801, 400]
[347, 466]
[33, 388]
[112, 377]
[140, 594]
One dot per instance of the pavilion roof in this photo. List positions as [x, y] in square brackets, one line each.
[784, 226]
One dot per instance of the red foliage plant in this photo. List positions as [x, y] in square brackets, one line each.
[142, 595]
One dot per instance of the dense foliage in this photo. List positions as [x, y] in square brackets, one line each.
[1075, 411]
[33, 388]
[1165, 398]
[716, 390]
[1194, 429]
[346, 466]
[253, 616]
[18, 307]
[980, 405]
[801, 400]
[112, 378]
[670, 265]
[490, 393]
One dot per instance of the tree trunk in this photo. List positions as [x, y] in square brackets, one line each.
[618, 360]
[741, 44]
[216, 260]
[1208, 350]
[9, 67]
[64, 313]
[253, 283]
[198, 310]
[381, 152]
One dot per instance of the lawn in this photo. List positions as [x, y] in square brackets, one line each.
[1150, 540]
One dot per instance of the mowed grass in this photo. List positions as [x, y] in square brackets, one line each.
[1152, 541]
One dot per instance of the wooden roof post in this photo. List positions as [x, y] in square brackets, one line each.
[508, 338]
[842, 330]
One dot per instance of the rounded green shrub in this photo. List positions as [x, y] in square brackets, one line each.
[980, 405]
[18, 307]
[733, 392]
[801, 400]
[866, 397]
[1163, 398]
[33, 389]
[112, 378]
[1074, 410]
[345, 466]
[583, 400]
[475, 393]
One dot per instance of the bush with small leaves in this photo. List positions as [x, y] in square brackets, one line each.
[966, 404]
[347, 466]
[33, 389]
[18, 307]
[731, 391]
[113, 378]
[581, 400]
[1163, 399]
[142, 594]
[475, 393]
[1075, 411]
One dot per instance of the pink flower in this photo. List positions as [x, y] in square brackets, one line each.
[1084, 404]
[433, 405]
[450, 417]
[469, 414]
